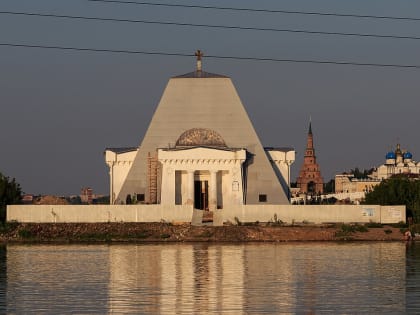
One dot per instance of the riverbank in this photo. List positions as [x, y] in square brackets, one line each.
[166, 232]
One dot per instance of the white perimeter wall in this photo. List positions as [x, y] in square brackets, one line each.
[98, 213]
[183, 213]
[315, 213]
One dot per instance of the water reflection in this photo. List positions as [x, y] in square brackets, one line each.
[57, 279]
[413, 278]
[3, 277]
[312, 278]
[176, 278]
[303, 278]
[298, 278]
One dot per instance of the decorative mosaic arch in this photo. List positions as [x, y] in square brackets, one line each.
[200, 136]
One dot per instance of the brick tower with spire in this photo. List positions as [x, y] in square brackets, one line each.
[310, 180]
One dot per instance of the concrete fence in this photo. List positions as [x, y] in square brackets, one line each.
[184, 213]
[98, 213]
[315, 213]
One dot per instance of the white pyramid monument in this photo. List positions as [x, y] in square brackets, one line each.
[201, 144]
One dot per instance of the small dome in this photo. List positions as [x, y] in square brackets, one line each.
[200, 136]
[408, 155]
[390, 156]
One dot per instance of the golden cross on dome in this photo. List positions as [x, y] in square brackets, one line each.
[199, 55]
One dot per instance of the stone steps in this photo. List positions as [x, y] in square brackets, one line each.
[207, 216]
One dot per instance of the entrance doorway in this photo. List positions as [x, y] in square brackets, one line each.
[311, 188]
[201, 194]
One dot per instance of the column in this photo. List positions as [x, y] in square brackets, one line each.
[168, 185]
[190, 187]
[288, 179]
[111, 183]
[213, 191]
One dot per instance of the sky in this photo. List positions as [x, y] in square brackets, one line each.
[60, 109]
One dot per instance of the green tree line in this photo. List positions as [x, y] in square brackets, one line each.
[361, 174]
[10, 193]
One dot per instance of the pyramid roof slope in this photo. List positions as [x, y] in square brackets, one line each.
[206, 102]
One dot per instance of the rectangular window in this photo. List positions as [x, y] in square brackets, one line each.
[262, 198]
[140, 197]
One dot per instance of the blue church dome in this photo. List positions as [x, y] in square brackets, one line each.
[390, 156]
[408, 155]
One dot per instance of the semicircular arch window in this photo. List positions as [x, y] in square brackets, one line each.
[200, 137]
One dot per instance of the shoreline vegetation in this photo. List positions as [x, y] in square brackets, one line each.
[14, 232]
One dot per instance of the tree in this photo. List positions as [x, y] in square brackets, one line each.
[397, 191]
[329, 187]
[359, 174]
[74, 200]
[10, 193]
[104, 200]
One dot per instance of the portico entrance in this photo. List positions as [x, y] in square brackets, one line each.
[205, 178]
[201, 194]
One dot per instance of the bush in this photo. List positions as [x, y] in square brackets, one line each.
[361, 228]
[352, 228]
[142, 235]
[415, 228]
[374, 225]
[401, 225]
[25, 233]
[8, 226]
[275, 221]
[256, 223]
[347, 228]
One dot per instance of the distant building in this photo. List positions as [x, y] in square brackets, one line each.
[310, 180]
[347, 183]
[398, 162]
[86, 195]
[28, 199]
[50, 200]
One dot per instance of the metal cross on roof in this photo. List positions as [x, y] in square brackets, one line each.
[199, 54]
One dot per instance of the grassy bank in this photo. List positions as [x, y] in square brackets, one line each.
[166, 232]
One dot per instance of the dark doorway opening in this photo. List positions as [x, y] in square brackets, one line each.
[311, 188]
[201, 194]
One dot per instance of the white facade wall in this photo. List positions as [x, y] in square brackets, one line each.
[98, 213]
[282, 160]
[183, 213]
[315, 213]
[119, 165]
[385, 171]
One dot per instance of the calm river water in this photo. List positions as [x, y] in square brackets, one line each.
[295, 278]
